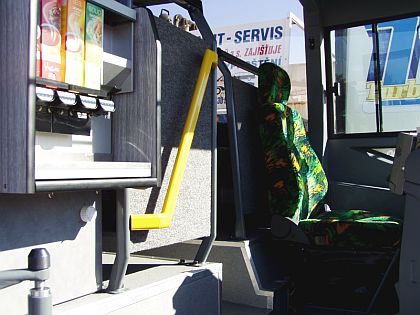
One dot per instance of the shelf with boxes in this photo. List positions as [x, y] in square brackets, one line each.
[84, 43]
[79, 112]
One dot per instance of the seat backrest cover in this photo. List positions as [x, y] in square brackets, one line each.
[296, 179]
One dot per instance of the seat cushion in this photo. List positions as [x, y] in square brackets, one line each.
[315, 180]
[353, 229]
[285, 184]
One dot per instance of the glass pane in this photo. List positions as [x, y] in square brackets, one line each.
[351, 50]
[401, 74]
[354, 75]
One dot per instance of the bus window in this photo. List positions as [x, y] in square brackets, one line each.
[376, 77]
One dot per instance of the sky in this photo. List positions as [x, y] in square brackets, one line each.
[221, 13]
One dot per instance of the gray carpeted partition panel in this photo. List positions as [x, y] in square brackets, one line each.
[250, 153]
[182, 54]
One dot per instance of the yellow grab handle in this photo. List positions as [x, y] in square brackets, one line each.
[164, 219]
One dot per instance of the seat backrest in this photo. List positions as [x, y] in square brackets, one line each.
[296, 179]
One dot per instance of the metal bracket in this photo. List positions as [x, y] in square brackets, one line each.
[186, 4]
[39, 298]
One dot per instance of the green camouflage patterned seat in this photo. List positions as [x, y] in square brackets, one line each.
[296, 180]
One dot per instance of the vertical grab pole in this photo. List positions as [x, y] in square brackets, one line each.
[39, 298]
[123, 240]
[207, 34]
[234, 151]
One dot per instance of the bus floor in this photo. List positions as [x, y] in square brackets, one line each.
[237, 309]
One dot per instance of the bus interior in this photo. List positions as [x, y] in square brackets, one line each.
[307, 217]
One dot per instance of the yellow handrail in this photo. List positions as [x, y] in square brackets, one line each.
[164, 219]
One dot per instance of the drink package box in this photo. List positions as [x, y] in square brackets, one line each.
[50, 40]
[93, 46]
[73, 39]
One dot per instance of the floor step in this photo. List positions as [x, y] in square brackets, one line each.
[155, 287]
[243, 279]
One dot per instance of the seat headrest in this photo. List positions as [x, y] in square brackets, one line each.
[273, 84]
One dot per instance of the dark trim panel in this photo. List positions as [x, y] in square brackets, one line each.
[392, 134]
[346, 13]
